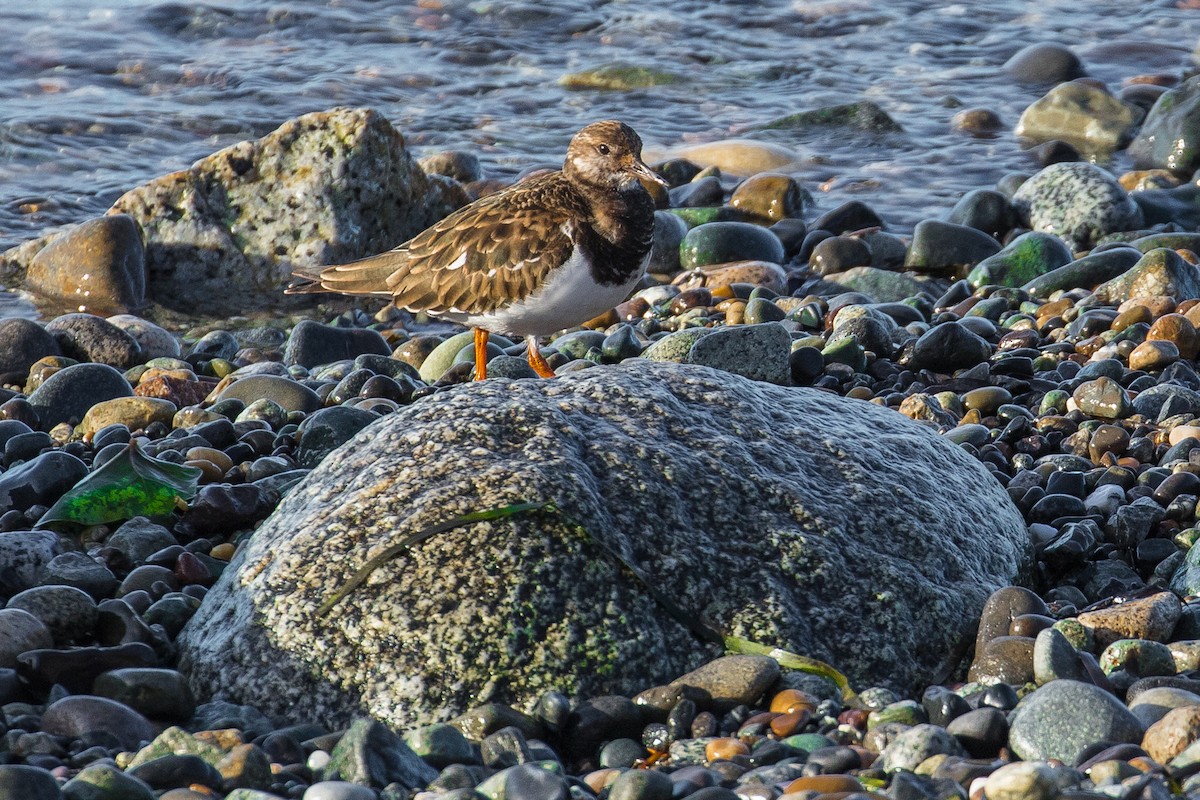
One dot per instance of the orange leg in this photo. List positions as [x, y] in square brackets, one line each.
[535, 358]
[481, 342]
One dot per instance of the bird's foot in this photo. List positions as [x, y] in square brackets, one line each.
[481, 343]
[537, 361]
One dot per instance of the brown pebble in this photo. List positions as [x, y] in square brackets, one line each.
[1169, 736]
[791, 700]
[1179, 330]
[599, 779]
[1131, 316]
[223, 551]
[977, 121]
[1152, 356]
[725, 748]
[824, 783]
[1029, 625]
[787, 724]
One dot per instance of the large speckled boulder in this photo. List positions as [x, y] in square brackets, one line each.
[831, 527]
[1078, 202]
[225, 234]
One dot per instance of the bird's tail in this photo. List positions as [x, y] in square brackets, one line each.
[368, 276]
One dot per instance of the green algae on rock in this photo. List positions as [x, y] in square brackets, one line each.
[1025, 258]
[130, 484]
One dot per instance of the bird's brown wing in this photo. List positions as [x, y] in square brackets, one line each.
[491, 253]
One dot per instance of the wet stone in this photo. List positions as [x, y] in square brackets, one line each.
[160, 694]
[1044, 62]
[328, 429]
[1084, 115]
[949, 346]
[1102, 397]
[69, 613]
[369, 753]
[1063, 716]
[1158, 272]
[23, 342]
[940, 245]
[1169, 137]
[1078, 202]
[85, 337]
[67, 395]
[312, 344]
[722, 242]
[759, 352]
[1022, 261]
[78, 714]
[102, 781]
[288, 394]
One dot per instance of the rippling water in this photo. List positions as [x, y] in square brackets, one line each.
[98, 97]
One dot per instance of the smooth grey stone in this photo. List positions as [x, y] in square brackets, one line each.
[1063, 717]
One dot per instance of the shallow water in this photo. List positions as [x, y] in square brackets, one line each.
[96, 98]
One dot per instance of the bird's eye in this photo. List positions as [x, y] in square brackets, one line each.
[602, 149]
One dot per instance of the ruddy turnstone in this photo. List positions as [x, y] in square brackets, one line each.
[545, 254]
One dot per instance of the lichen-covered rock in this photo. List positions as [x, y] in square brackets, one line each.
[1078, 202]
[326, 187]
[669, 479]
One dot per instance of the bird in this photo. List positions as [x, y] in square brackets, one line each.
[547, 253]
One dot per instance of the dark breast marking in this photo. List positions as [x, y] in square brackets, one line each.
[630, 220]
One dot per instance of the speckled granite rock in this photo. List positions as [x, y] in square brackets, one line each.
[328, 186]
[690, 474]
[1077, 201]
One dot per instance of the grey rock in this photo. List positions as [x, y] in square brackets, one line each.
[1044, 62]
[40, 481]
[949, 346]
[1170, 137]
[830, 479]
[85, 337]
[882, 285]
[28, 783]
[160, 694]
[759, 352]
[1055, 658]
[441, 744]
[641, 784]
[328, 429]
[69, 613]
[20, 632]
[732, 680]
[78, 714]
[1077, 201]
[675, 346]
[221, 234]
[338, 790]
[1085, 116]
[312, 344]
[22, 342]
[669, 231]
[155, 342]
[98, 266]
[1153, 704]
[290, 395]
[1160, 271]
[104, 781]
[915, 744]
[81, 571]
[218, 714]
[369, 753]
[23, 555]
[139, 538]
[1063, 717]
[938, 245]
[68, 394]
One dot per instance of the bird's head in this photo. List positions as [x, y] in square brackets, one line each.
[608, 155]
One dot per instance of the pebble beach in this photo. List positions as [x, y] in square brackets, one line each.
[1045, 323]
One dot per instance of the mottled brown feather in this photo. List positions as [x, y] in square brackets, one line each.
[511, 240]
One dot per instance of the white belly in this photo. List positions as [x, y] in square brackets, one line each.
[569, 298]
